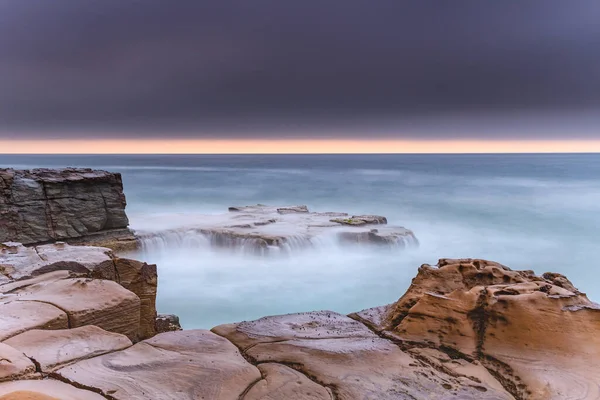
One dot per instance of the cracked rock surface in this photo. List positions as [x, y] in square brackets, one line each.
[42, 205]
[465, 329]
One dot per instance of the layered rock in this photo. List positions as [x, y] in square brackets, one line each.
[74, 204]
[61, 286]
[141, 279]
[262, 229]
[465, 329]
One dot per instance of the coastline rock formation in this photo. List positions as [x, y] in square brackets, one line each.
[262, 229]
[87, 207]
[58, 286]
[77, 205]
[71, 324]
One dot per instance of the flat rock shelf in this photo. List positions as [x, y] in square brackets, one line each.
[87, 207]
[262, 229]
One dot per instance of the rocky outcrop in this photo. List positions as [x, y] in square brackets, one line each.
[61, 286]
[74, 204]
[262, 229]
[87, 207]
[82, 206]
[167, 323]
[141, 279]
[534, 334]
[465, 329]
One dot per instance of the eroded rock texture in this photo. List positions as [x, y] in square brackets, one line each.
[71, 324]
[349, 361]
[43, 205]
[534, 334]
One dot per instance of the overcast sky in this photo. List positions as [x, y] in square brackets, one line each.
[310, 68]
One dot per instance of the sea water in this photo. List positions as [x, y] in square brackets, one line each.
[527, 211]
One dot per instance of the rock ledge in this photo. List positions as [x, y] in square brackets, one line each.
[465, 329]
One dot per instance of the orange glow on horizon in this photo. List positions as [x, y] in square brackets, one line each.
[315, 146]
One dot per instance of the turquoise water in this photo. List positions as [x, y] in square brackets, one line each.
[539, 212]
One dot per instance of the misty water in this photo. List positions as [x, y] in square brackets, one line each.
[539, 212]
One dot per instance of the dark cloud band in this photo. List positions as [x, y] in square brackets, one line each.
[253, 67]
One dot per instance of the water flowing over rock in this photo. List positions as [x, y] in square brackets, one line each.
[87, 207]
[74, 204]
[263, 230]
[465, 329]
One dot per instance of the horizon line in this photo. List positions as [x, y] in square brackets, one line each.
[297, 154]
[292, 146]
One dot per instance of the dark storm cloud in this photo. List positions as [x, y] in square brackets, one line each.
[207, 67]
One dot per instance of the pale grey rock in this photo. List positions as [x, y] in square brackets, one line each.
[195, 364]
[14, 364]
[54, 348]
[392, 237]
[87, 301]
[281, 382]
[20, 316]
[261, 229]
[344, 356]
[20, 262]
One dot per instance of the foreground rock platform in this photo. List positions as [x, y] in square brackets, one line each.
[465, 329]
[58, 286]
[79, 205]
[262, 229]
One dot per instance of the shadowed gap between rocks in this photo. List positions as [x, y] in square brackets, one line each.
[295, 366]
[78, 385]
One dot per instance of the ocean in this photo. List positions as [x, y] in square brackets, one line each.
[526, 211]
